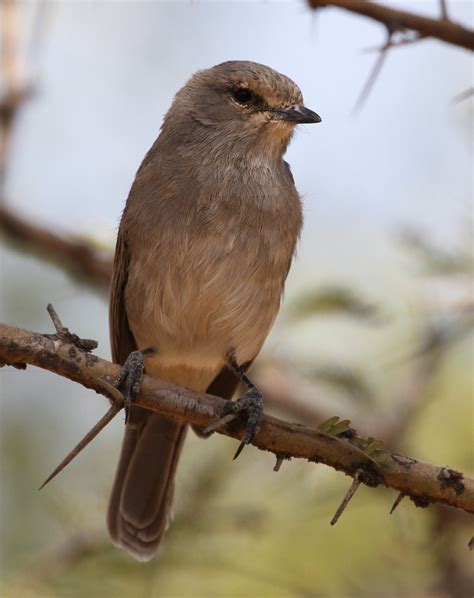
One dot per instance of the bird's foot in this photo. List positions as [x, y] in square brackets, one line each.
[130, 379]
[252, 402]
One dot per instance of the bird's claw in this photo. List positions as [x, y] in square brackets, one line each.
[130, 379]
[252, 402]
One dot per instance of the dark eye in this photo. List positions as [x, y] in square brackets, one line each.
[243, 95]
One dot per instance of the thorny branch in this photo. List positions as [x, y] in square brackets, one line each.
[399, 20]
[422, 482]
[79, 258]
[411, 27]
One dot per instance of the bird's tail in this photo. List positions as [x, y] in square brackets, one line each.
[140, 504]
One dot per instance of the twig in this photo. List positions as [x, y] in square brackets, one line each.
[441, 29]
[415, 479]
[406, 41]
[81, 259]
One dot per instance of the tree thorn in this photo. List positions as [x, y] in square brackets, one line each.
[62, 333]
[350, 493]
[81, 445]
[398, 500]
[220, 422]
[364, 94]
[53, 314]
[443, 10]
[279, 461]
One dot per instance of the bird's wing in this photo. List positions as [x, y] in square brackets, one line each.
[121, 337]
[226, 381]
[140, 502]
[224, 384]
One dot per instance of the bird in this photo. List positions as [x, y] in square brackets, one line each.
[204, 246]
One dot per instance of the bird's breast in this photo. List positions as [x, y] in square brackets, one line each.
[214, 285]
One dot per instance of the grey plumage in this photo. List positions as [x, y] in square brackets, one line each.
[204, 247]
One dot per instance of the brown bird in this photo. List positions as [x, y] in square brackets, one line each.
[204, 247]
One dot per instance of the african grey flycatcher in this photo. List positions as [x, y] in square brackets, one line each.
[204, 247]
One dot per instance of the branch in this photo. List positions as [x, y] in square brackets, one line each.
[399, 20]
[81, 259]
[424, 483]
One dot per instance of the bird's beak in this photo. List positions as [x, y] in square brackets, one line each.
[297, 114]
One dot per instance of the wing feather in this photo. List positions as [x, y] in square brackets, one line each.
[121, 337]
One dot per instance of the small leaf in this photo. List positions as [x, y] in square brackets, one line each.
[359, 443]
[382, 458]
[328, 424]
[373, 446]
[340, 427]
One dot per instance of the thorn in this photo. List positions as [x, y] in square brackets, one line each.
[374, 74]
[114, 394]
[398, 500]
[55, 318]
[62, 332]
[406, 41]
[350, 493]
[279, 461]
[242, 445]
[220, 422]
[464, 95]
[443, 10]
[111, 413]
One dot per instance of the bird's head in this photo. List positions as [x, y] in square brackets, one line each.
[249, 105]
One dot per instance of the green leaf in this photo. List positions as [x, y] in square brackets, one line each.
[340, 427]
[328, 424]
[373, 446]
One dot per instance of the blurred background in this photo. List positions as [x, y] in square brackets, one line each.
[375, 326]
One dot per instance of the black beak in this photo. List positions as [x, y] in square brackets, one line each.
[297, 114]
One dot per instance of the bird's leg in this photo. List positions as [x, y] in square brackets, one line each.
[130, 378]
[251, 401]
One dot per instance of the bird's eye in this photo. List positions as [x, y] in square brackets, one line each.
[242, 95]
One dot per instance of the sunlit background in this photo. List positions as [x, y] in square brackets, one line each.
[383, 269]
